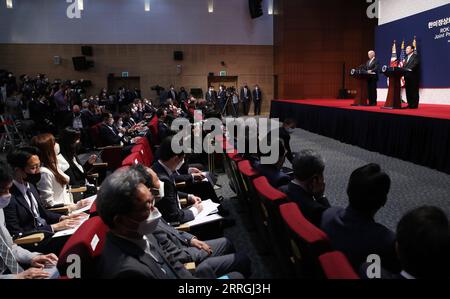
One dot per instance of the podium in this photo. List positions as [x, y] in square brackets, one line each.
[361, 75]
[393, 100]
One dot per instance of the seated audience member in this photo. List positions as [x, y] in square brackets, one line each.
[12, 256]
[308, 187]
[53, 184]
[69, 163]
[423, 244]
[218, 254]
[25, 214]
[286, 130]
[126, 205]
[353, 230]
[169, 205]
[272, 172]
[163, 128]
[108, 133]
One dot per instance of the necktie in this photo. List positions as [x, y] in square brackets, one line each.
[7, 259]
[35, 211]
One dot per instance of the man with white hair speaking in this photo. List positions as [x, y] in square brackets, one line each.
[372, 67]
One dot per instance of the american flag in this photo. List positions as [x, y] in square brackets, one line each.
[401, 61]
[394, 62]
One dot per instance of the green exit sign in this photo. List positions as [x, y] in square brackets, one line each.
[124, 74]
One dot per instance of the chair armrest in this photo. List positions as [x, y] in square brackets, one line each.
[61, 210]
[93, 175]
[78, 190]
[100, 165]
[190, 267]
[34, 238]
[183, 202]
[110, 147]
[183, 228]
[180, 184]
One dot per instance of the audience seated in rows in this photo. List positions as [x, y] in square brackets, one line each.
[14, 258]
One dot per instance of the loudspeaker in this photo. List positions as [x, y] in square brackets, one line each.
[255, 8]
[79, 63]
[86, 50]
[178, 55]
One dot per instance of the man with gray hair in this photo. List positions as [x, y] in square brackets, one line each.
[308, 187]
[372, 67]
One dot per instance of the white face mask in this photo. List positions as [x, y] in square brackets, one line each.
[179, 165]
[4, 200]
[149, 225]
[120, 123]
[290, 130]
[57, 149]
[161, 189]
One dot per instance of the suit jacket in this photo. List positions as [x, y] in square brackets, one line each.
[169, 205]
[247, 98]
[274, 175]
[312, 209]
[357, 236]
[174, 242]
[19, 218]
[211, 97]
[22, 255]
[172, 96]
[413, 64]
[123, 259]
[257, 94]
[373, 66]
[163, 130]
[109, 135]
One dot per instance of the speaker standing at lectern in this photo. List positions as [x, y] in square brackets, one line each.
[412, 63]
[372, 67]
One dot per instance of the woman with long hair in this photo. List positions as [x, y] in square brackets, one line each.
[53, 185]
[69, 142]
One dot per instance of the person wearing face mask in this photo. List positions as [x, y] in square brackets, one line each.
[211, 96]
[126, 206]
[53, 185]
[108, 134]
[172, 94]
[308, 187]
[166, 168]
[217, 254]
[12, 256]
[25, 214]
[285, 133]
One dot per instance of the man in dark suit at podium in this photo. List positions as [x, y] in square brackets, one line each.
[412, 63]
[372, 67]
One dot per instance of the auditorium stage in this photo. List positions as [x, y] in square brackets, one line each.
[421, 136]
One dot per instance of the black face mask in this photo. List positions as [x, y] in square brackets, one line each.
[77, 114]
[33, 178]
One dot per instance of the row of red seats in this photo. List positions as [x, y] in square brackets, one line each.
[302, 249]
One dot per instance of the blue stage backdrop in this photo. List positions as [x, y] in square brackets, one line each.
[432, 31]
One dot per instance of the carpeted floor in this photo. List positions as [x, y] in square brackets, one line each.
[412, 186]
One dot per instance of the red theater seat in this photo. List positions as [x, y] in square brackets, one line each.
[335, 265]
[133, 159]
[86, 243]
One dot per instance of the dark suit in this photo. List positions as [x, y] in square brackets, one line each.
[257, 99]
[222, 101]
[312, 209]
[124, 259]
[358, 236]
[169, 205]
[412, 80]
[20, 221]
[109, 135]
[172, 94]
[373, 66]
[274, 175]
[222, 260]
[246, 98]
[211, 97]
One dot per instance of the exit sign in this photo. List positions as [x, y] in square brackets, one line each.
[124, 74]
